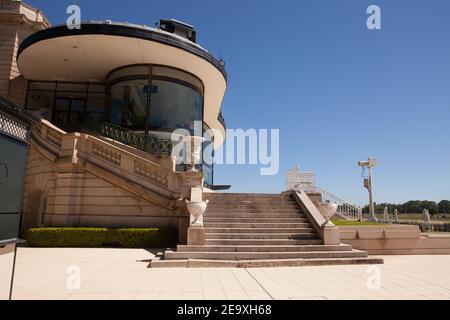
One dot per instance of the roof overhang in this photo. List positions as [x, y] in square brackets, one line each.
[88, 54]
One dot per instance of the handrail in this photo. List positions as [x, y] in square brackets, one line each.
[17, 112]
[150, 144]
[345, 209]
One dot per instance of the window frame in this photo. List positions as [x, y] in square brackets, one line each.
[150, 77]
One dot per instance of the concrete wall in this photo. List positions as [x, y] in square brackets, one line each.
[70, 196]
[17, 21]
[8, 40]
[393, 239]
[81, 198]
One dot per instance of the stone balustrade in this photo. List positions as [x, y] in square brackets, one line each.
[88, 148]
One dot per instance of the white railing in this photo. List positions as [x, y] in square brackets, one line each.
[306, 181]
[345, 209]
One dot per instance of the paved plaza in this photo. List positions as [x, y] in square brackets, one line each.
[99, 273]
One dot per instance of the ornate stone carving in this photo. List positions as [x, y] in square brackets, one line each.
[53, 136]
[327, 209]
[196, 209]
[106, 153]
[153, 173]
[194, 145]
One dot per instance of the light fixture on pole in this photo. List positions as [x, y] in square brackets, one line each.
[369, 164]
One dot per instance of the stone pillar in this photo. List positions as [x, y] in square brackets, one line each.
[331, 234]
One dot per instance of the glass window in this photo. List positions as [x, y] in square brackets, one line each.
[129, 71]
[208, 157]
[174, 105]
[69, 111]
[62, 104]
[95, 102]
[71, 87]
[128, 104]
[208, 175]
[164, 72]
[71, 94]
[208, 150]
[40, 99]
[97, 88]
[66, 102]
[42, 86]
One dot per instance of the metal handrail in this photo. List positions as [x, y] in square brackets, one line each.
[345, 209]
[150, 144]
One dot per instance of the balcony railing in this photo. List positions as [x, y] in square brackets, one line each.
[150, 144]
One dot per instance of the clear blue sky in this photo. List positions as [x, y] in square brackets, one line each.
[337, 91]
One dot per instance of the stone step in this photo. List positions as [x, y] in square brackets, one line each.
[250, 201]
[233, 206]
[219, 219]
[262, 248]
[263, 255]
[261, 242]
[260, 200]
[227, 202]
[259, 230]
[255, 225]
[202, 263]
[247, 195]
[252, 210]
[252, 215]
[280, 236]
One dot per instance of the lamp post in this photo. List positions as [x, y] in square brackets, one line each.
[369, 164]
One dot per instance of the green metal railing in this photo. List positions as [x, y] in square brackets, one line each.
[150, 144]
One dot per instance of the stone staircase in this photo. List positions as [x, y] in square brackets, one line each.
[255, 230]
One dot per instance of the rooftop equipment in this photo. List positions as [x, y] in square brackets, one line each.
[179, 28]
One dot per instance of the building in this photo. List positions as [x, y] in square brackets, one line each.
[17, 21]
[104, 101]
[109, 96]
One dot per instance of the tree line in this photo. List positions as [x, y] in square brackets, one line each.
[413, 206]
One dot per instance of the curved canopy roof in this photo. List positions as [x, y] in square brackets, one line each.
[88, 54]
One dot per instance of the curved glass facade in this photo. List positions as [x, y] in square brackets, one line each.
[174, 105]
[142, 98]
[174, 101]
[128, 104]
[149, 99]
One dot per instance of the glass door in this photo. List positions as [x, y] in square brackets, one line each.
[68, 113]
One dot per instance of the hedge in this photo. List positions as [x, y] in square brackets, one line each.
[97, 237]
[428, 226]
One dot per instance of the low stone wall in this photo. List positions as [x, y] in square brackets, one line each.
[393, 239]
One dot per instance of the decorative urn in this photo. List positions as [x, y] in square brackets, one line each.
[327, 209]
[195, 149]
[196, 209]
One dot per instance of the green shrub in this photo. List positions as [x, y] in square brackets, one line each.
[97, 237]
[144, 238]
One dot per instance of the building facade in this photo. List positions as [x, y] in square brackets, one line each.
[108, 97]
